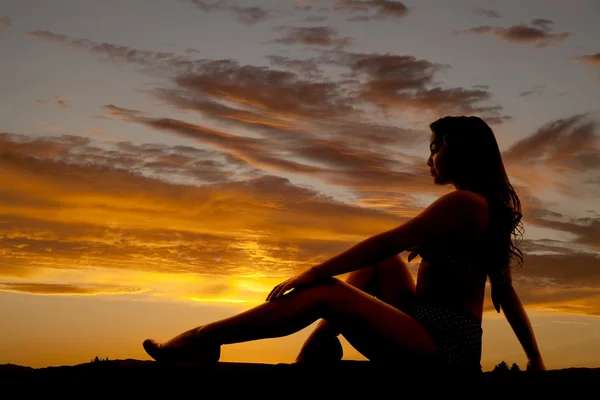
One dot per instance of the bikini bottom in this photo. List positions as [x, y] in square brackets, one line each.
[457, 334]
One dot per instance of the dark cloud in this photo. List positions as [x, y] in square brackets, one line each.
[486, 13]
[404, 81]
[5, 21]
[544, 24]
[315, 18]
[372, 9]
[65, 289]
[374, 79]
[313, 36]
[585, 231]
[50, 36]
[59, 101]
[561, 278]
[284, 107]
[281, 92]
[539, 33]
[179, 164]
[593, 59]
[114, 111]
[307, 68]
[208, 5]
[566, 144]
[247, 15]
[536, 90]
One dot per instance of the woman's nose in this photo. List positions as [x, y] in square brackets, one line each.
[429, 162]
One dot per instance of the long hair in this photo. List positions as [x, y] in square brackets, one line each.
[475, 164]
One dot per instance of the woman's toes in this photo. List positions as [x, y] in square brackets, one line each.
[152, 347]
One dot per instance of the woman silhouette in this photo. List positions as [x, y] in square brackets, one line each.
[462, 238]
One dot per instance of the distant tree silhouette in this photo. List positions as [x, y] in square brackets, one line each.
[96, 359]
[502, 367]
[515, 368]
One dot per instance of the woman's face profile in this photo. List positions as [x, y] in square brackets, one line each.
[437, 161]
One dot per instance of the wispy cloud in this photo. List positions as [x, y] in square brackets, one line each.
[382, 80]
[70, 204]
[404, 81]
[569, 144]
[85, 205]
[592, 60]
[372, 9]
[58, 100]
[538, 33]
[66, 289]
[313, 36]
[484, 12]
[246, 15]
[169, 209]
[534, 91]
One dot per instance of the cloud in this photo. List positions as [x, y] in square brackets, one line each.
[59, 101]
[535, 90]
[404, 81]
[49, 36]
[313, 36]
[115, 111]
[372, 9]
[564, 280]
[385, 81]
[79, 206]
[247, 15]
[566, 144]
[5, 21]
[539, 33]
[66, 289]
[71, 205]
[543, 24]
[486, 13]
[306, 68]
[592, 59]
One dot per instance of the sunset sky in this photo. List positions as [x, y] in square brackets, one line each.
[165, 163]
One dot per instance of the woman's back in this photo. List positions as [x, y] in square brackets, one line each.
[453, 270]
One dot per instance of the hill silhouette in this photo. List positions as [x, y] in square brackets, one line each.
[281, 380]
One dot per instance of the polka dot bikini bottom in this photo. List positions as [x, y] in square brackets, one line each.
[456, 334]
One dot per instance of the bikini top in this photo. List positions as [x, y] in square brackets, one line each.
[465, 260]
[451, 254]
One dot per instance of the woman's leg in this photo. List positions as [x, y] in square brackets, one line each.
[389, 281]
[378, 330]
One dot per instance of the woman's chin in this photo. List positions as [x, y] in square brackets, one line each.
[439, 181]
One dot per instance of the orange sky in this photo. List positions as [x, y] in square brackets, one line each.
[153, 179]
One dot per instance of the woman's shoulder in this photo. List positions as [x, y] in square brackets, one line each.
[467, 200]
[474, 205]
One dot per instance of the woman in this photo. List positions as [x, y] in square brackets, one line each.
[462, 238]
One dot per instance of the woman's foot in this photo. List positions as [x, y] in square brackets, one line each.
[182, 353]
[321, 349]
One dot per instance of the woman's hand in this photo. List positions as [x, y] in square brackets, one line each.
[304, 279]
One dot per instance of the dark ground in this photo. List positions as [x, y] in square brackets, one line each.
[353, 379]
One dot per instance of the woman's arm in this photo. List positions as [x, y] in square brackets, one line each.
[458, 211]
[519, 322]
